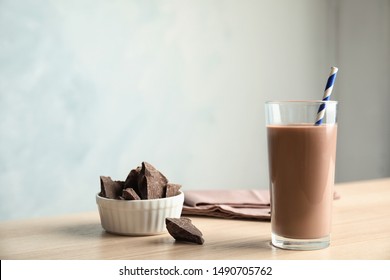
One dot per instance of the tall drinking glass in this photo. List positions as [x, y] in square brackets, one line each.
[302, 159]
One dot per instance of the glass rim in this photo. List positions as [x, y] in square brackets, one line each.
[301, 101]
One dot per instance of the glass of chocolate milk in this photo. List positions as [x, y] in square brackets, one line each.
[302, 158]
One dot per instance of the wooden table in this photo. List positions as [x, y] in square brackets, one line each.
[361, 230]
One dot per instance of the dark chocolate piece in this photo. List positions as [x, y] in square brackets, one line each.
[151, 183]
[121, 183]
[130, 194]
[182, 229]
[132, 180]
[172, 189]
[110, 188]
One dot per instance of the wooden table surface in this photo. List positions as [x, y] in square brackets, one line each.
[361, 230]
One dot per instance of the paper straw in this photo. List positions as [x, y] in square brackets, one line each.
[327, 93]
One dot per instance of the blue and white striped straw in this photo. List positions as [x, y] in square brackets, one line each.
[327, 93]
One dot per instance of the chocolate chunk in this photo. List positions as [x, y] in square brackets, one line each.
[132, 180]
[151, 183]
[172, 189]
[130, 194]
[121, 183]
[110, 188]
[182, 229]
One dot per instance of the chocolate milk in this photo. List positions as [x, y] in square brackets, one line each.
[301, 165]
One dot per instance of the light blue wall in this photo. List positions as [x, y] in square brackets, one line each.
[91, 88]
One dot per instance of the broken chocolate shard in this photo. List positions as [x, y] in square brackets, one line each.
[121, 183]
[172, 189]
[132, 180]
[182, 229]
[145, 181]
[130, 194]
[151, 183]
[110, 188]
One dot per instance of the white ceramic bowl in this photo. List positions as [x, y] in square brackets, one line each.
[138, 217]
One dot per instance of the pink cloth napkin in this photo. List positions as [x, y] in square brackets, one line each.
[231, 204]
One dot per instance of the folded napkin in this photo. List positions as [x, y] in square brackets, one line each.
[232, 204]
